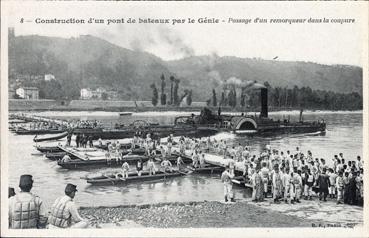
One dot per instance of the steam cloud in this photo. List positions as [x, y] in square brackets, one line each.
[177, 45]
[146, 38]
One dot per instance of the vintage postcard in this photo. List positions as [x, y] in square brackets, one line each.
[184, 119]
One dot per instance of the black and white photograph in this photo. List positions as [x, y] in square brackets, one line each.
[137, 117]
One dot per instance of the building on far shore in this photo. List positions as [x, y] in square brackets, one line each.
[99, 93]
[28, 92]
[49, 77]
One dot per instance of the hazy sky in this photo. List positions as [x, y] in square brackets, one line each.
[326, 43]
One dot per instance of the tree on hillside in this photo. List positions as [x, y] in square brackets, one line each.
[175, 92]
[242, 102]
[185, 93]
[171, 78]
[163, 96]
[155, 95]
[104, 96]
[214, 98]
[222, 99]
[189, 98]
[232, 101]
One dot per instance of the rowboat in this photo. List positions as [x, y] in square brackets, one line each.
[48, 138]
[125, 113]
[80, 162]
[206, 169]
[22, 131]
[51, 149]
[116, 179]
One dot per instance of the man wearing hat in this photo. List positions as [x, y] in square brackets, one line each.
[11, 192]
[26, 210]
[64, 213]
[226, 178]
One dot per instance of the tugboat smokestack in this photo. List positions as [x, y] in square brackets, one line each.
[264, 102]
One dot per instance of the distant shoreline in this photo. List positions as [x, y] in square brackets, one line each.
[16, 105]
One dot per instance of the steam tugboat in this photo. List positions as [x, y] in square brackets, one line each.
[251, 125]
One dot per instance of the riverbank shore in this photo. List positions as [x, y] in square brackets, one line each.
[214, 214]
[16, 105]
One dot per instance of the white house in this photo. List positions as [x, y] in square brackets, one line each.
[27, 92]
[49, 77]
[86, 93]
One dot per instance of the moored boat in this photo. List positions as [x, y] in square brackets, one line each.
[48, 138]
[51, 149]
[206, 169]
[55, 155]
[81, 163]
[23, 131]
[116, 179]
[125, 113]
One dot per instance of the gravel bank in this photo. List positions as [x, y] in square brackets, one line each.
[192, 214]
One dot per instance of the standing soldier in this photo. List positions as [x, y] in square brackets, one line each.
[286, 184]
[277, 184]
[340, 186]
[69, 138]
[26, 210]
[151, 166]
[323, 184]
[265, 175]
[125, 169]
[202, 161]
[226, 178]
[64, 213]
[139, 167]
[195, 159]
[297, 183]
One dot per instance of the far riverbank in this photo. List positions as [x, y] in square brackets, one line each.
[124, 106]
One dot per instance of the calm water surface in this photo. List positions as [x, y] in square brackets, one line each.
[344, 134]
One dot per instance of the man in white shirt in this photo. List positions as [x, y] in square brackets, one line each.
[226, 178]
[64, 213]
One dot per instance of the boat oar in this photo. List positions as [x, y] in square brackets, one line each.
[236, 181]
[184, 173]
[37, 154]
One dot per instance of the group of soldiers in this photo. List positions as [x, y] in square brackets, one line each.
[288, 176]
[28, 211]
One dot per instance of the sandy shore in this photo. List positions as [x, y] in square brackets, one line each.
[218, 214]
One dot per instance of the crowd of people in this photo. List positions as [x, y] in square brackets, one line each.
[291, 176]
[84, 124]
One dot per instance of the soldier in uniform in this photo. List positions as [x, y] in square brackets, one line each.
[226, 178]
[64, 213]
[277, 184]
[26, 210]
[265, 176]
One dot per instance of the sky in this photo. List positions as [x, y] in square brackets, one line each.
[325, 43]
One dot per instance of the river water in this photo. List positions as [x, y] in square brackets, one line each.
[344, 134]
